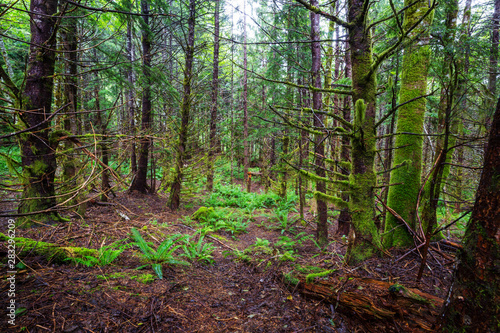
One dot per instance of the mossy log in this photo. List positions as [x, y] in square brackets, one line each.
[53, 252]
[376, 300]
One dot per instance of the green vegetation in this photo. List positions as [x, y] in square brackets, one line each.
[105, 255]
[164, 254]
[198, 249]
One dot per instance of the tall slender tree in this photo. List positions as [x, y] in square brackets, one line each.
[246, 150]
[319, 145]
[215, 92]
[140, 180]
[175, 190]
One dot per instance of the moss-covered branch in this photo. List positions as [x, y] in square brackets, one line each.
[52, 252]
[338, 202]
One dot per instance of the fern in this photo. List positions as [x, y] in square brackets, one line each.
[162, 255]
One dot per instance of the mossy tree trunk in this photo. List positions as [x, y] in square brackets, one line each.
[175, 190]
[215, 92]
[403, 198]
[37, 153]
[140, 181]
[473, 301]
[366, 242]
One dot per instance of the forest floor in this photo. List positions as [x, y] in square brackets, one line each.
[241, 291]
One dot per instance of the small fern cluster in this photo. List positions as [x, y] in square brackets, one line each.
[106, 255]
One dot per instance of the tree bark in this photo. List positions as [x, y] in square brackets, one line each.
[140, 181]
[130, 96]
[215, 91]
[344, 219]
[473, 303]
[37, 151]
[246, 153]
[319, 145]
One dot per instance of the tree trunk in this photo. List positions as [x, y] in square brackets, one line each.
[344, 219]
[130, 96]
[366, 242]
[70, 162]
[140, 180]
[175, 191]
[319, 145]
[403, 198]
[473, 303]
[215, 91]
[246, 153]
[37, 151]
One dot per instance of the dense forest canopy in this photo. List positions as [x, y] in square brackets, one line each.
[373, 115]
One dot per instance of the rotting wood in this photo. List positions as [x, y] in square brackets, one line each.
[376, 300]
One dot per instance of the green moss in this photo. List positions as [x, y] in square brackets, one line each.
[50, 251]
[361, 205]
[56, 135]
[202, 213]
[403, 198]
[290, 279]
[310, 277]
[339, 203]
[341, 183]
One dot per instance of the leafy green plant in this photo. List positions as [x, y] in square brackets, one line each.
[106, 255]
[227, 219]
[240, 255]
[198, 250]
[164, 254]
[261, 246]
[286, 243]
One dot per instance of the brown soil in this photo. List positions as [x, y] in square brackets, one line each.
[227, 296]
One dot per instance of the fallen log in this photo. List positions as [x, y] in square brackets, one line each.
[52, 252]
[375, 300]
